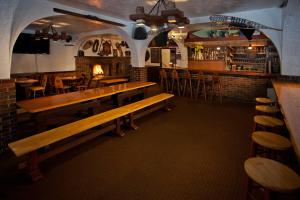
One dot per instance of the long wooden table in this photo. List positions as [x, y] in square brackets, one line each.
[288, 96]
[57, 101]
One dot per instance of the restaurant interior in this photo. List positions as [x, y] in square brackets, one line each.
[149, 99]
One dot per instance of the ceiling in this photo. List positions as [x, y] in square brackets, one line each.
[69, 24]
[192, 8]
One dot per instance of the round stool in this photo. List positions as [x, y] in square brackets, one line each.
[263, 100]
[272, 143]
[271, 175]
[265, 122]
[272, 110]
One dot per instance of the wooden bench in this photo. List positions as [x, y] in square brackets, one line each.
[29, 146]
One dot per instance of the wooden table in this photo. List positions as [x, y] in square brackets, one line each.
[114, 81]
[288, 95]
[70, 78]
[61, 100]
[26, 81]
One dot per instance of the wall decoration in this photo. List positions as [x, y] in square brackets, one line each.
[127, 53]
[87, 45]
[95, 46]
[115, 52]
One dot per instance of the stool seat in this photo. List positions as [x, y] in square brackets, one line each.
[267, 109]
[263, 100]
[268, 121]
[272, 175]
[271, 140]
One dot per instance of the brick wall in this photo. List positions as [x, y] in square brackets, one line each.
[7, 113]
[244, 88]
[138, 74]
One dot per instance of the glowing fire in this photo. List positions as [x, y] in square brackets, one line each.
[97, 70]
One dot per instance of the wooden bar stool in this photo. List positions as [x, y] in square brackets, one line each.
[263, 100]
[201, 85]
[164, 79]
[175, 82]
[267, 122]
[187, 79]
[272, 176]
[217, 88]
[272, 145]
[266, 109]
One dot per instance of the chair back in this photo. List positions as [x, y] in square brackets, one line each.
[163, 74]
[44, 80]
[58, 83]
[200, 76]
[187, 74]
[175, 74]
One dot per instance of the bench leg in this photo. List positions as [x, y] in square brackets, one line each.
[167, 107]
[32, 167]
[118, 128]
[132, 124]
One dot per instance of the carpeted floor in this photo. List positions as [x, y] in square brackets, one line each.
[195, 151]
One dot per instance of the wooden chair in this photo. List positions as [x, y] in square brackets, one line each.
[59, 85]
[84, 84]
[175, 81]
[164, 83]
[200, 83]
[187, 79]
[271, 176]
[41, 87]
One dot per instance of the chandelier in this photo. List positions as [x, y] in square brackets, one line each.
[49, 32]
[162, 16]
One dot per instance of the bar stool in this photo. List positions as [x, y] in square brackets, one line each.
[164, 79]
[201, 82]
[187, 79]
[272, 176]
[217, 89]
[175, 81]
[267, 122]
[266, 109]
[272, 144]
[263, 100]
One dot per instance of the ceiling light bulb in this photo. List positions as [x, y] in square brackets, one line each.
[218, 48]
[250, 47]
[154, 28]
[140, 22]
[181, 27]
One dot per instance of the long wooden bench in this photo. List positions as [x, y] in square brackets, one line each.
[30, 145]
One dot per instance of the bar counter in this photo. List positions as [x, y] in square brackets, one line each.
[288, 96]
[237, 85]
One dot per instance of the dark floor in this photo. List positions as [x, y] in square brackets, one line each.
[195, 151]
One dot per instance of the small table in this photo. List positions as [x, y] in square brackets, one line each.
[71, 80]
[26, 81]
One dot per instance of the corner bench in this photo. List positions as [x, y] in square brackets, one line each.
[30, 145]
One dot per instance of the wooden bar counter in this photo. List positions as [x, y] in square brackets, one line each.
[288, 95]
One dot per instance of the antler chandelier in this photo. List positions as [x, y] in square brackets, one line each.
[168, 17]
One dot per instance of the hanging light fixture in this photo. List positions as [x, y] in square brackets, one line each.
[49, 32]
[163, 15]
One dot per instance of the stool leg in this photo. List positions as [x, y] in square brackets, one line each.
[191, 88]
[178, 87]
[253, 147]
[184, 87]
[197, 89]
[204, 88]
